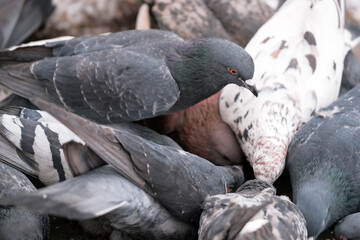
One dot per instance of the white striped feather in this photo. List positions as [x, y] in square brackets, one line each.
[12, 129]
[298, 57]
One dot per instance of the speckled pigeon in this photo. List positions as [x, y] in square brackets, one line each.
[253, 212]
[17, 224]
[105, 196]
[234, 20]
[125, 76]
[348, 227]
[324, 164]
[294, 60]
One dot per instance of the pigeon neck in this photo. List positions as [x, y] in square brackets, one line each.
[233, 176]
[189, 64]
[322, 204]
[315, 201]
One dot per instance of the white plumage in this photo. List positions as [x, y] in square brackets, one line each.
[298, 57]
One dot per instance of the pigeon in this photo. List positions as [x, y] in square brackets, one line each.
[200, 130]
[252, 212]
[190, 19]
[17, 224]
[236, 21]
[120, 206]
[241, 18]
[324, 164]
[179, 181]
[37, 144]
[20, 18]
[89, 17]
[348, 227]
[106, 78]
[294, 60]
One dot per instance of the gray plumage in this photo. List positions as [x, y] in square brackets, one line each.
[114, 202]
[180, 181]
[351, 73]
[323, 162]
[125, 76]
[348, 228]
[37, 144]
[253, 212]
[16, 224]
[20, 18]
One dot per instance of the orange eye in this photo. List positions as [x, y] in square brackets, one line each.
[232, 71]
[229, 189]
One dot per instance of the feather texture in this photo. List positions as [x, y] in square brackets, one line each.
[298, 52]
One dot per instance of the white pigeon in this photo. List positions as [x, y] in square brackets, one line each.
[298, 56]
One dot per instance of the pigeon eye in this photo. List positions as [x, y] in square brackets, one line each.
[232, 71]
[230, 189]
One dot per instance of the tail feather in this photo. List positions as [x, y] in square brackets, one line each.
[9, 155]
[19, 79]
[24, 54]
[99, 138]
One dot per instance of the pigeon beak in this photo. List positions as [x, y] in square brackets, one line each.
[251, 88]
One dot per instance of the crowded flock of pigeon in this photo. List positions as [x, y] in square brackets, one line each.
[181, 128]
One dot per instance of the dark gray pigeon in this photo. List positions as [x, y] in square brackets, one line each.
[253, 212]
[179, 180]
[324, 164]
[125, 76]
[20, 18]
[114, 202]
[17, 224]
[348, 228]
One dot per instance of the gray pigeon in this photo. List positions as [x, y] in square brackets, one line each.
[39, 145]
[324, 164]
[17, 224]
[179, 180]
[253, 212]
[120, 206]
[125, 76]
[348, 228]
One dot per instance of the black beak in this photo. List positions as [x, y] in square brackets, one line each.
[251, 88]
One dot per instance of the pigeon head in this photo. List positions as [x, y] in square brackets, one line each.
[233, 176]
[256, 186]
[323, 202]
[202, 67]
[348, 227]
